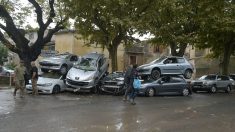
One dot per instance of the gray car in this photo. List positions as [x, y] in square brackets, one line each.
[86, 74]
[212, 83]
[170, 65]
[59, 62]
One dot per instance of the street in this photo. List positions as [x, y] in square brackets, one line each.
[69, 112]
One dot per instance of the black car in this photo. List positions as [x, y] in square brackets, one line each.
[166, 84]
[113, 83]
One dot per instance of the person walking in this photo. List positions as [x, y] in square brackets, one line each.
[19, 79]
[34, 78]
[134, 74]
[127, 82]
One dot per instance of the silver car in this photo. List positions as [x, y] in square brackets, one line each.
[60, 62]
[86, 74]
[170, 65]
[212, 83]
[4, 71]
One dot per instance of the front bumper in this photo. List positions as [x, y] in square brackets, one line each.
[113, 89]
[75, 88]
[201, 87]
[41, 89]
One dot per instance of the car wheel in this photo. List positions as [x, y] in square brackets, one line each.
[56, 89]
[63, 70]
[188, 74]
[155, 74]
[213, 89]
[7, 74]
[228, 89]
[150, 92]
[44, 70]
[185, 92]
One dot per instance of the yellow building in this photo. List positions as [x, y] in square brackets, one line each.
[69, 41]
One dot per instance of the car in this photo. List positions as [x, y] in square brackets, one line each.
[212, 83]
[86, 74]
[59, 62]
[49, 83]
[232, 79]
[166, 65]
[4, 71]
[165, 84]
[113, 83]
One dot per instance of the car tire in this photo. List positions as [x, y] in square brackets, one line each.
[188, 74]
[56, 89]
[44, 70]
[213, 89]
[228, 89]
[185, 92]
[150, 92]
[7, 74]
[63, 70]
[155, 74]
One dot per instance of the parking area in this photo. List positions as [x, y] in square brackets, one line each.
[69, 112]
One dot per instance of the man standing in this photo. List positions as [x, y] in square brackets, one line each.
[134, 74]
[127, 82]
[19, 79]
[34, 78]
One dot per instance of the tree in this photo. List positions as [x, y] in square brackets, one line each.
[107, 22]
[11, 26]
[173, 24]
[217, 20]
[3, 54]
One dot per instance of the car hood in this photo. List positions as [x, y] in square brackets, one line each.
[44, 80]
[113, 79]
[80, 75]
[51, 59]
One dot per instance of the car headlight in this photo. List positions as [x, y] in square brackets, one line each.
[90, 78]
[120, 83]
[46, 84]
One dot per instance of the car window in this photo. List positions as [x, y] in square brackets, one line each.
[158, 60]
[170, 61]
[224, 78]
[100, 63]
[208, 77]
[219, 78]
[176, 80]
[88, 64]
[180, 60]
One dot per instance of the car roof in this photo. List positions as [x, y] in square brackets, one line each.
[93, 55]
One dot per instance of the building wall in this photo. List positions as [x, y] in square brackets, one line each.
[68, 42]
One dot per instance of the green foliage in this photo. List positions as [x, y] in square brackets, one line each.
[11, 66]
[3, 54]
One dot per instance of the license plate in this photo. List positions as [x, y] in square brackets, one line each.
[76, 90]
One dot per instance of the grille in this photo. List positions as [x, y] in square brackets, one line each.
[77, 83]
[110, 83]
[198, 83]
[48, 64]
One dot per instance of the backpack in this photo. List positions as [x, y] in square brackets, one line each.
[136, 84]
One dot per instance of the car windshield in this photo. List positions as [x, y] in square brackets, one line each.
[61, 56]
[208, 77]
[158, 60]
[115, 75]
[88, 64]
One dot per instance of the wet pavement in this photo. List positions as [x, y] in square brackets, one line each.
[68, 112]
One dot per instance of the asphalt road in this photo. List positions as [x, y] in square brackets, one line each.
[68, 112]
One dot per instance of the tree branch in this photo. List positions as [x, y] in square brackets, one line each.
[11, 29]
[8, 44]
[52, 13]
[38, 11]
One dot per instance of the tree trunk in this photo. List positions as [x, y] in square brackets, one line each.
[113, 55]
[226, 58]
[177, 50]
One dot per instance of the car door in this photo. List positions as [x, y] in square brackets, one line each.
[219, 82]
[175, 84]
[181, 65]
[225, 81]
[171, 66]
[164, 84]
